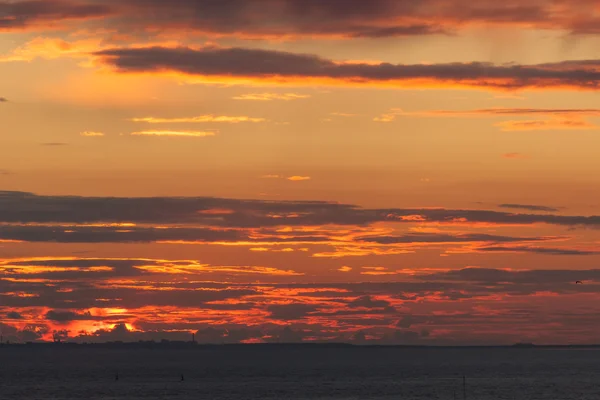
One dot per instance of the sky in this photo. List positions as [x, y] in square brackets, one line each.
[369, 172]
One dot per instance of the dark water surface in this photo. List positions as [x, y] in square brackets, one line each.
[299, 373]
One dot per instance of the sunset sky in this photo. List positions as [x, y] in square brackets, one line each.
[361, 171]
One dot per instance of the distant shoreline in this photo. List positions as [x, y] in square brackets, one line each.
[190, 345]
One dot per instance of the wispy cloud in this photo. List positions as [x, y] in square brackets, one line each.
[201, 118]
[499, 111]
[55, 144]
[271, 96]
[560, 118]
[299, 178]
[514, 155]
[341, 114]
[542, 125]
[528, 207]
[196, 134]
[92, 134]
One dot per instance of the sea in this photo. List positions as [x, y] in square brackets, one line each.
[299, 372]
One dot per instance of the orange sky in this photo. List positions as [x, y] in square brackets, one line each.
[406, 172]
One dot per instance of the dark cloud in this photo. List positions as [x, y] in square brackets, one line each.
[242, 18]
[83, 234]
[528, 207]
[406, 322]
[443, 238]
[288, 335]
[291, 311]
[22, 208]
[484, 275]
[305, 18]
[268, 64]
[415, 308]
[3, 100]
[285, 18]
[138, 234]
[69, 316]
[368, 302]
[46, 13]
[538, 250]
[28, 334]
[13, 315]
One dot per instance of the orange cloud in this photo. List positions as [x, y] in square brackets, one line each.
[298, 178]
[561, 119]
[52, 48]
[539, 125]
[202, 118]
[271, 96]
[196, 134]
[514, 155]
[92, 134]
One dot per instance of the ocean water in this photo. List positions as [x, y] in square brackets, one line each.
[297, 372]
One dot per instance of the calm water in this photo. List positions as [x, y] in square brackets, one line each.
[299, 373]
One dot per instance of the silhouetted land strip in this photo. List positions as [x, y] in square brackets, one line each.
[190, 345]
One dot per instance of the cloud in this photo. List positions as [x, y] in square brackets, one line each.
[513, 155]
[188, 134]
[286, 18]
[29, 14]
[55, 144]
[3, 100]
[298, 178]
[314, 241]
[271, 176]
[13, 315]
[271, 96]
[202, 118]
[278, 66]
[389, 117]
[543, 125]
[500, 111]
[487, 276]
[560, 119]
[290, 311]
[92, 134]
[51, 48]
[298, 18]
[445, 238]
[529, 207]
[69, 316]
[310, 18]
[368, 302]
[406, 322]
[435, 306]
[345, 269]
[27, 208]
[538, 250]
